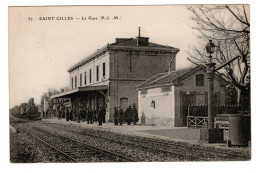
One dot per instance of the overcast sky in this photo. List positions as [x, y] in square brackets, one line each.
[41, 51]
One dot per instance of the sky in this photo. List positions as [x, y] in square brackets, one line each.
[41, 51]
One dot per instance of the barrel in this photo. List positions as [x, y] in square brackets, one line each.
[239, 129]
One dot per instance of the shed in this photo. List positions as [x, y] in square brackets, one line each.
[164, 98]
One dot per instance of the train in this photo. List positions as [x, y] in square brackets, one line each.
[27, 111]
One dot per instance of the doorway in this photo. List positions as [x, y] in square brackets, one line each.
[186, 100]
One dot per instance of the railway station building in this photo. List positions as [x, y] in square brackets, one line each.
[163, 99]
[109, 76]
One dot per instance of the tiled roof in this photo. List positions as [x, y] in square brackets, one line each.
[174, 77]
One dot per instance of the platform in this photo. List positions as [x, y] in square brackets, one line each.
[178, 134]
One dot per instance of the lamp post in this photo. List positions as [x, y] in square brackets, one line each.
[210, 76]
[211, 134]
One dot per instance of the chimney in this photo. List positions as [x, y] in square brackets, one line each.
[170, 64]
[142, 41]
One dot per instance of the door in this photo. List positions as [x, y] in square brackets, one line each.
[186, 100]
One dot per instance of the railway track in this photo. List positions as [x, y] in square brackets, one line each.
[162, 149]
[182, 150]
[218, 153]
[72, 149]
[175, 155]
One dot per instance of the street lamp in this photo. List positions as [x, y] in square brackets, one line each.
[211, 134]
[210, 76]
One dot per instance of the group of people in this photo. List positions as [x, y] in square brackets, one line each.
[89, 115]
[130, 115]
[98, 115]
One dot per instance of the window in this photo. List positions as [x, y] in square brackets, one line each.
[80, 80]
[104, 69]
[90, 76]
[76, 82]
[199, 80]
[85, 78]
[72, 83]
[97, 73]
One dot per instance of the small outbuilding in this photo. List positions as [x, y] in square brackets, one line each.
[163, 99]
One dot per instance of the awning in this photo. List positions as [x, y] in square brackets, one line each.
[81, 89]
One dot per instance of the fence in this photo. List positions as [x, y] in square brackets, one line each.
[197, 115]
[202, 110]
[197, 122]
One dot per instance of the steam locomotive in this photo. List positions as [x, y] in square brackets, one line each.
[26, 111]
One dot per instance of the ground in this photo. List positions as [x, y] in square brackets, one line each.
[27, 149]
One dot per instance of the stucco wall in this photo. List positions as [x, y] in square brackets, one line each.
[122, 89]
[162, 113]
[139, 66]
[92, 65]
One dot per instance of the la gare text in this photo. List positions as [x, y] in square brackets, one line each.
[81, 18]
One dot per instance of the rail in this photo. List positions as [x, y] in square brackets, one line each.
[197, 121]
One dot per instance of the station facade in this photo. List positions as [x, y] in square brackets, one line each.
[108, 77]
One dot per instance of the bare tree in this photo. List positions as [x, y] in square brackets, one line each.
[229, 27]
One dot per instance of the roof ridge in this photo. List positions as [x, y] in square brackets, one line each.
[194, 67]
[185, 68]
[159, 78]
[147, 81]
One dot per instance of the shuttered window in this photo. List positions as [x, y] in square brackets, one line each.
[199, 80]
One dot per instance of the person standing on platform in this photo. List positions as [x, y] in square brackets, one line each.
[128, 115]
[91, 116]
[116, 117]
[100, 116]
[103, 114]
[95, 115]
[78, 115]
[121, 114]
[74, 114]
[66, 114]
[59, 113]
[70, 114]
[87, 115]
[134, 114]
[83, 115]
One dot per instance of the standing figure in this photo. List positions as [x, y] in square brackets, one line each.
[78, 115]
[83, 115]
[116, 117]
[95, 115]
[121, 114]
[128, 115]
[70, 114]
[66, 114]
[59, 113]
[104, 114]
[100, 116]
[134, 114]
[74, 114]
[91, 116]
[87, 113]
